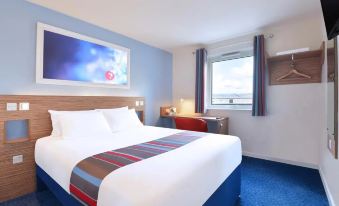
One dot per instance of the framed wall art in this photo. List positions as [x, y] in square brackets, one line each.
[68, 58]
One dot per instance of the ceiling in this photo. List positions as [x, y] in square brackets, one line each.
[168, 24]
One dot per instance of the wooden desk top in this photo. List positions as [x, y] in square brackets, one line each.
[212, 118]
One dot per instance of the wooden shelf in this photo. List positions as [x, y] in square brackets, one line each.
[309, 63]
[18, 140]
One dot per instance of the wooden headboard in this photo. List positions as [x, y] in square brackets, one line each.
[39, 118]
[20, 179]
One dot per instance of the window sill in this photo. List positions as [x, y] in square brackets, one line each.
[230, 107]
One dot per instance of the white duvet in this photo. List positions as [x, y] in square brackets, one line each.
[185, 176]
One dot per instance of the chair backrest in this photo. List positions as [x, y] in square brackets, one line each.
[192, 124]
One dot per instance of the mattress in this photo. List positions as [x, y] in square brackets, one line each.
[186, 176]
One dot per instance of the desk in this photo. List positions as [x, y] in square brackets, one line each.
[218, 125]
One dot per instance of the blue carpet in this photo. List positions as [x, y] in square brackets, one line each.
[264, 183]
[267, 183]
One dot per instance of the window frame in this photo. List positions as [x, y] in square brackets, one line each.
[209, 87]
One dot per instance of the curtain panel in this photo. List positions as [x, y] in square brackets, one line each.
[201, 66]
[259, 76]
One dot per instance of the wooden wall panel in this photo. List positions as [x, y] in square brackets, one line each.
[19, 179]
[330, 65]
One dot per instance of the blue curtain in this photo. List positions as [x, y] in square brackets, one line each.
[201, 64]
[259, 75]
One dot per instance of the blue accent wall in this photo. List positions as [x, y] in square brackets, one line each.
[151, 68]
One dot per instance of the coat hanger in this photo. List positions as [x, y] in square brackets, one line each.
[294, 71]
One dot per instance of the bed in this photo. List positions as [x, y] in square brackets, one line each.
[203, 172]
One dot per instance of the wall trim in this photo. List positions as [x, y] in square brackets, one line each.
[296, 163]
[327, 189]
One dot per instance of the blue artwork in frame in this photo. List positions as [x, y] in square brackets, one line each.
[68, 58]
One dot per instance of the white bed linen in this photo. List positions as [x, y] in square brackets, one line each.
[185, 176]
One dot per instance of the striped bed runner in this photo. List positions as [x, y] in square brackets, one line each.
[88, 174]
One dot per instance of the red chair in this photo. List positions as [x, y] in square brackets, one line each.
[192, 124]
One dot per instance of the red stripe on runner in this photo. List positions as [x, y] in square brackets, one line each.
[109, 160]
[124, 155]
[82, 196]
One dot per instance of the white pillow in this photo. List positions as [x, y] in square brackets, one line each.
[135, 121]
[121, 119]
[114, 109]
[56, 128]
[82, 125]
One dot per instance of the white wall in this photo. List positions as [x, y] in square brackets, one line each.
[329, 167]
[184, 78]
[291, 130]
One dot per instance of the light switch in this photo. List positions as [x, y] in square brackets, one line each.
[11, 106]
[137, 103]
[24, 106]
[18, 159]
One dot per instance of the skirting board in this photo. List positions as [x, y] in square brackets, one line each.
[327, 189]
[301, 164]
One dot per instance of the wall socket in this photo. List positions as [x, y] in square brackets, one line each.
[18, 159]
[139, 103]
[331, 143]
[23, 106]
[11, 106]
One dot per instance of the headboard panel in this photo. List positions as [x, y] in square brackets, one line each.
[39, 118]
[19, 179]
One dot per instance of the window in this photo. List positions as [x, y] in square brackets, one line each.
[231, 82]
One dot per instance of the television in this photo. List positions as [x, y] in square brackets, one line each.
[331, 16]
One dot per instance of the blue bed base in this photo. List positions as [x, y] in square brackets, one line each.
[226, 195]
